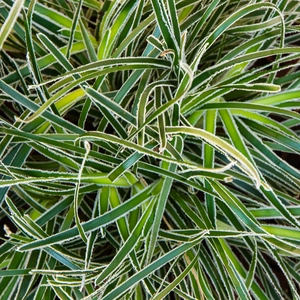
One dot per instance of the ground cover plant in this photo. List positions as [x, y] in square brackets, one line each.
[148, 149]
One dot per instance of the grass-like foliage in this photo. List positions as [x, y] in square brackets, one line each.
[148, 149]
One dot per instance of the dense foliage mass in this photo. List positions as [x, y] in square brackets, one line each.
[148, 149]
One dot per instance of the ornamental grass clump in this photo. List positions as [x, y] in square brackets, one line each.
[148, 149]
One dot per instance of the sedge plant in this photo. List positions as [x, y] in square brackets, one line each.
[148, 149]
